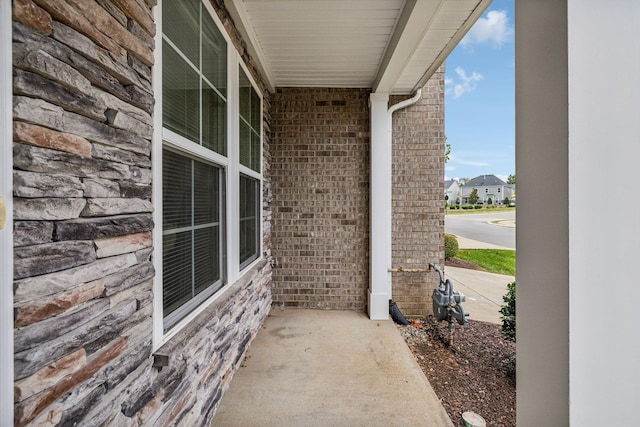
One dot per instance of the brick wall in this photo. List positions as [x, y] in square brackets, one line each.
[82, 232]
[418, 191]
[320, 182]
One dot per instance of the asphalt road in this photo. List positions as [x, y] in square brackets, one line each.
[479, 227]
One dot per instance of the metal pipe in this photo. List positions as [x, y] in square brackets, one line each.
[409, 270]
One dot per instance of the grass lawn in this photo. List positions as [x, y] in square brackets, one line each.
[501, 261]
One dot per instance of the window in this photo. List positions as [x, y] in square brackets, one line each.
[211, 165]
[194, 75]
[191, 243]
[250, 156]
[249, 220]
[194, 110]
[250, 119]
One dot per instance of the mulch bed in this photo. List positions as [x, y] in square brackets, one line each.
[472, 374]
[460, 263]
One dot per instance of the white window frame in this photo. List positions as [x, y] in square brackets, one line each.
[6, 234]
[244, 170]
[230, 164]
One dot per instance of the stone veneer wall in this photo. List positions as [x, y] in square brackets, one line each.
[320, 206]
[82, 232]
[418, 196]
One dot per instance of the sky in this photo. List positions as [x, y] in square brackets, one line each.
[480, 97]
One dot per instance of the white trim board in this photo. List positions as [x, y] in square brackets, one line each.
[6, 234]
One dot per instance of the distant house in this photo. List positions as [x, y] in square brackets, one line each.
[452, 191]
[488, 187]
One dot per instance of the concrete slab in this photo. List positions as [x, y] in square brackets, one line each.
[483, 290]
[329, 368]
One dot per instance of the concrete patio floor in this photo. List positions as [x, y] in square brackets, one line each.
[329, 368]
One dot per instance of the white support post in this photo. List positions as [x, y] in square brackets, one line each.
[6, 232]
[380, 208]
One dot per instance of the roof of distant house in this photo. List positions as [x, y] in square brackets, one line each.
[484, 180]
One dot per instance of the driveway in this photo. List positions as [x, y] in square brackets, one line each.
[483, 290]
[495, 230]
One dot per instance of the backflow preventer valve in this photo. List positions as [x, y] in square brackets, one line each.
[446, 303]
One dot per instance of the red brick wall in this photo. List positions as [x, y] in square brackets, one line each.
[320, 185]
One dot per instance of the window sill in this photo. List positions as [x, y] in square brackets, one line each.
[175, 344]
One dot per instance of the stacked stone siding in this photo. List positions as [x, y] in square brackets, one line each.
[418, 204]
[320, 176]
[83, 290]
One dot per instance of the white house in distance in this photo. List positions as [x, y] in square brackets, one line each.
[452, 190]
[488, 187]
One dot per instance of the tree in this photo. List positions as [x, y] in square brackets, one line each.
[473, 197]
[489, 201]
[511, 179]
[447, 150]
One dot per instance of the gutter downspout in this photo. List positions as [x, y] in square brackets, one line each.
[381, 201]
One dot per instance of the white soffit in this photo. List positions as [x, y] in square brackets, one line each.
[387, 45]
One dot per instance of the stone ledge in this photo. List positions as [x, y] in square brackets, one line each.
[162, 356]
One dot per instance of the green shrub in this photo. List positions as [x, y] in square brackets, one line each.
[509, 366]
[508, 311]
[506, 201]
[489, 201]
[478, 207]
[466, 207]
[450, 246]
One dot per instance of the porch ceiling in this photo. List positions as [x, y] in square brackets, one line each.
[387, 45]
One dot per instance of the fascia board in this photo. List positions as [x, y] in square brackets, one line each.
[241, 21]
[457, 37]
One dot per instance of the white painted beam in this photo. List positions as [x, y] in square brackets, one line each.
[409, 32]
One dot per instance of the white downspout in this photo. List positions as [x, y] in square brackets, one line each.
[380, 202]
[404, 104]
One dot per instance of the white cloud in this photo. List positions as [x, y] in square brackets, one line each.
[503, 177]
[463, 84]
[472, 163]
[494, 27]
[449, 168]
[460, 161]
